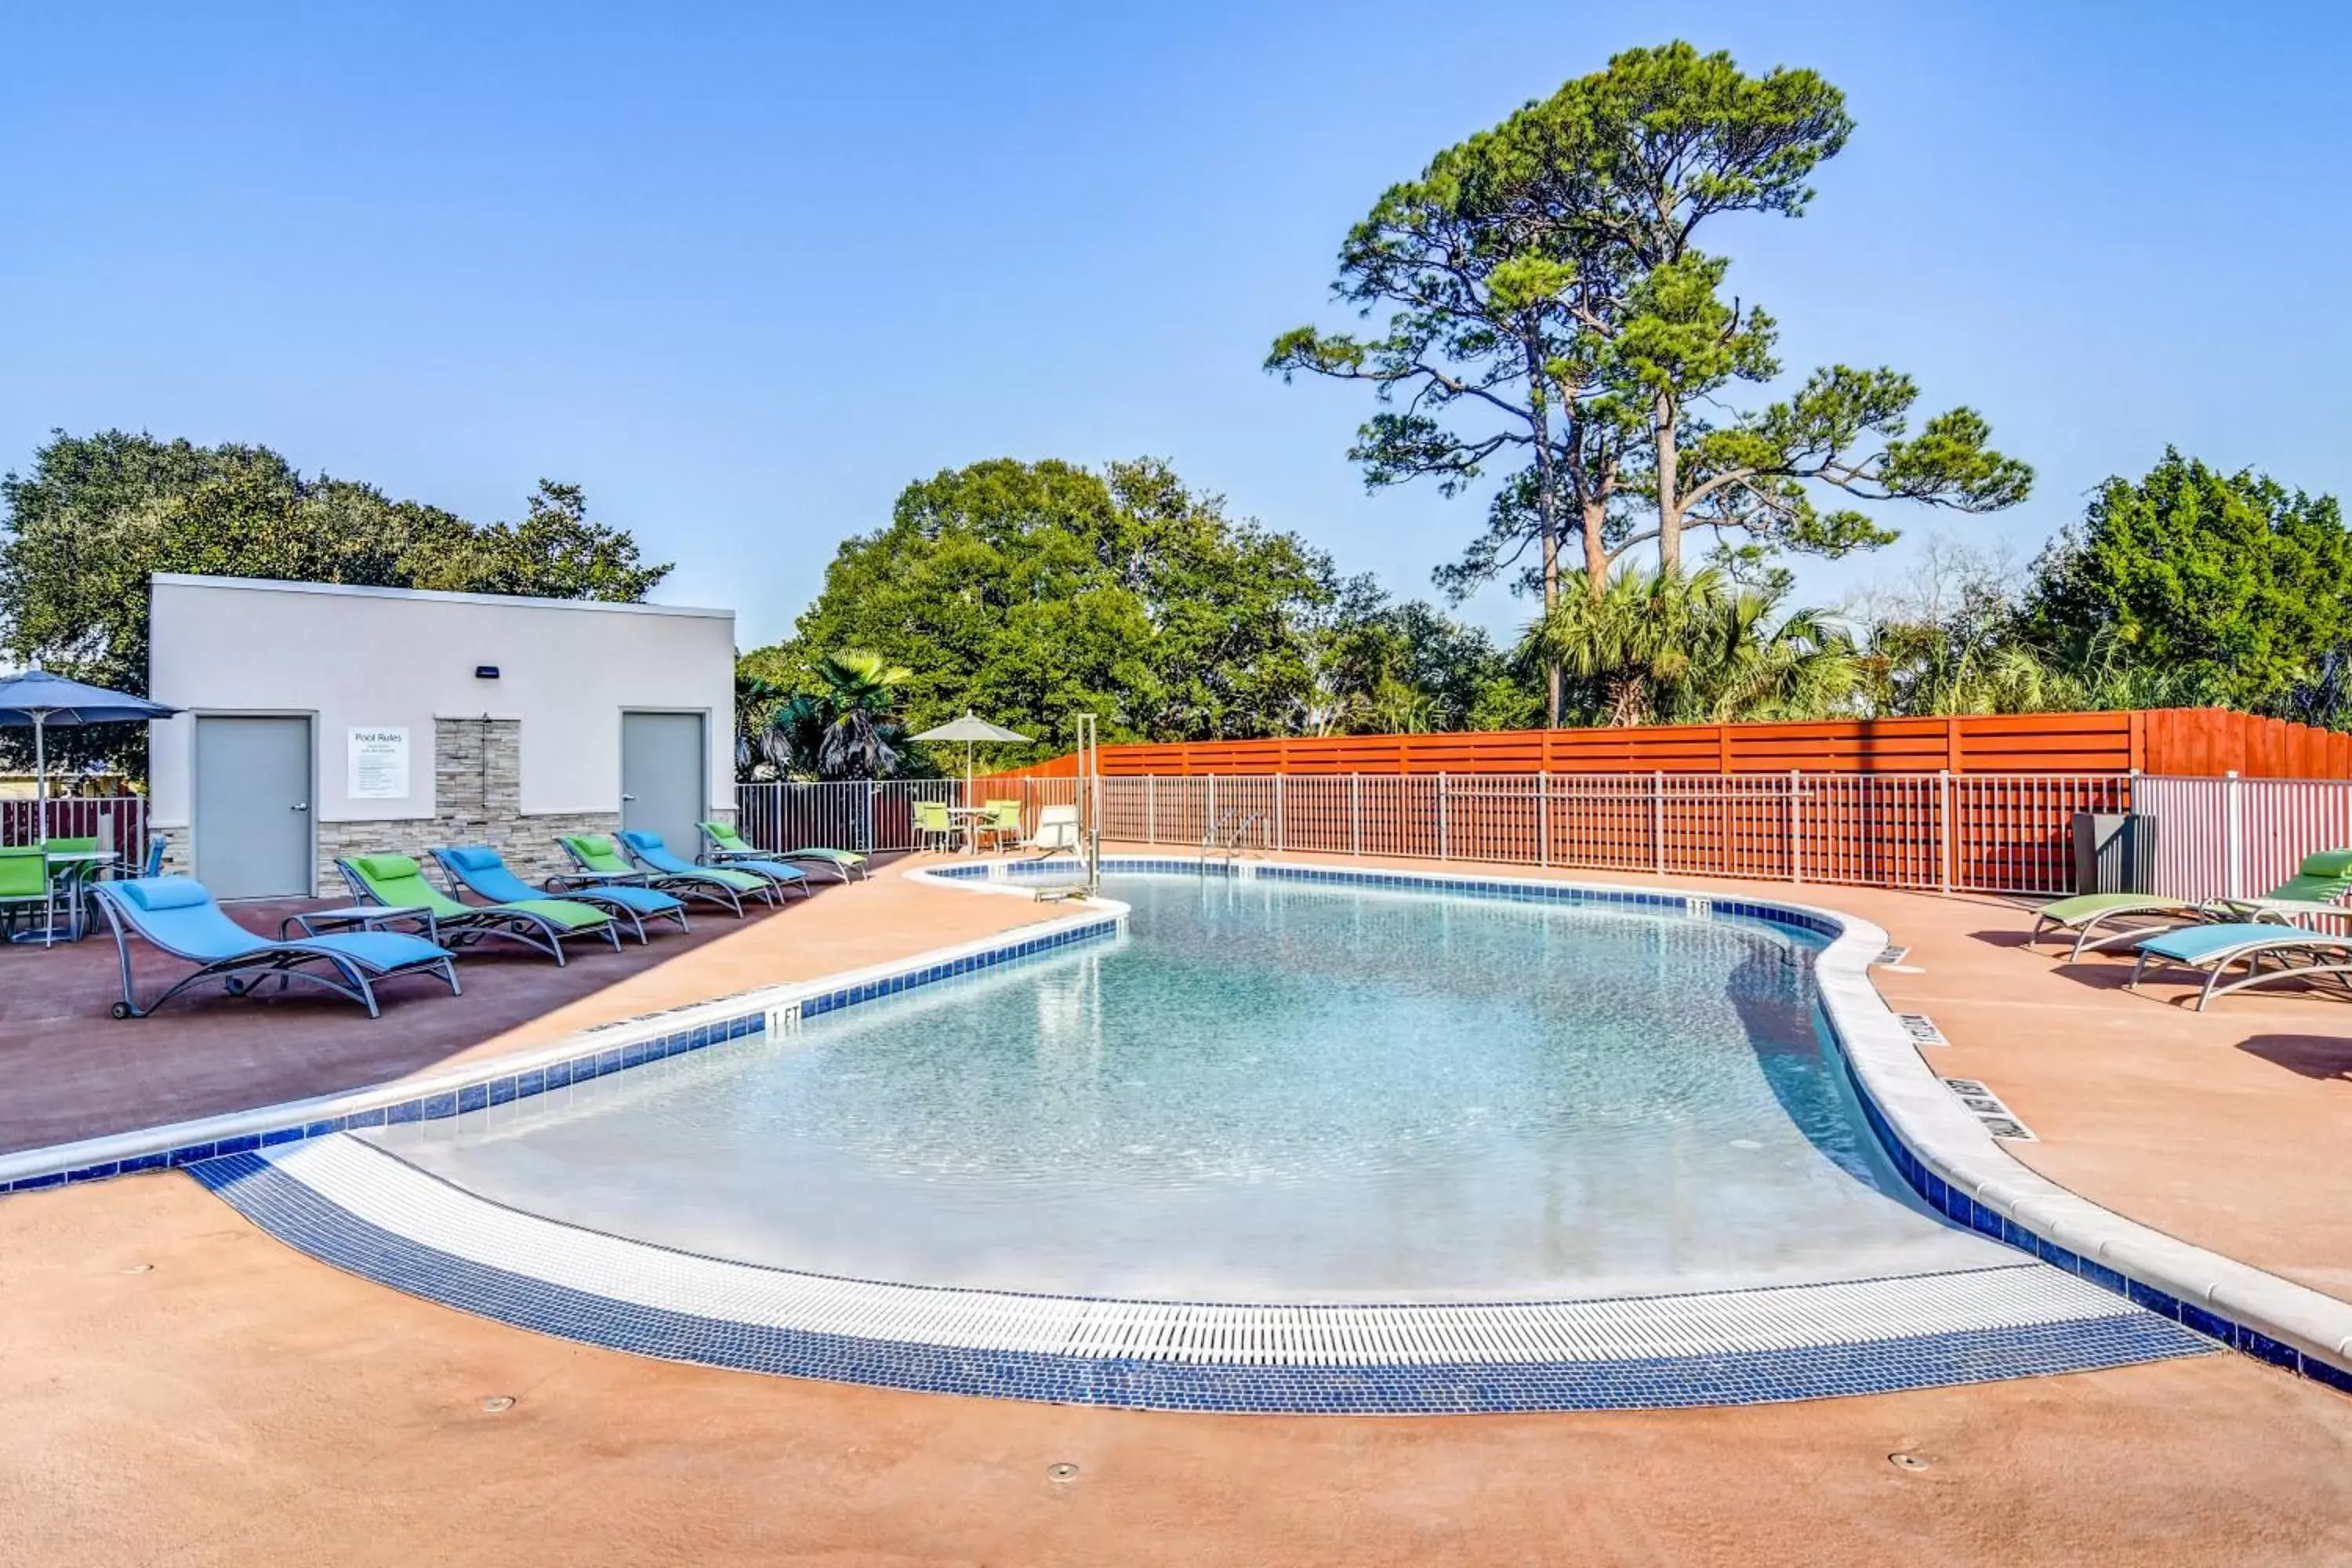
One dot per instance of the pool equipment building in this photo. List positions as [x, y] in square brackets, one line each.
[320, 720]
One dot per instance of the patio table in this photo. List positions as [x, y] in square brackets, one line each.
[968, 818]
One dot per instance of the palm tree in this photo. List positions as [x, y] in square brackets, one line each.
[1744, 665]
[860, 689]
[1693, 649]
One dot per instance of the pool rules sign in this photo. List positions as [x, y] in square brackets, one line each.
[378, 762]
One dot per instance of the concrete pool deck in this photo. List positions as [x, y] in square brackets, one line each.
[240, 1397]
[74, 1073]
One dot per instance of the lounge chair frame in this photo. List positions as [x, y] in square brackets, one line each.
[240, 974]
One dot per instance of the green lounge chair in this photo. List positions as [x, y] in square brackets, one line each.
[2322, 879]
[726, 846]
[2270, 950]
[600, 861]
[397, 881]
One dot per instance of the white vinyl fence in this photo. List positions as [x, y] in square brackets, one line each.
[2233, 837]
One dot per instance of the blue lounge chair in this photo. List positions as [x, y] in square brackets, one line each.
[648, 850]
[602, 863]
[2271, 952]
[481, 871]
[176, 915]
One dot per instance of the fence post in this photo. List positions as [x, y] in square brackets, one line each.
[1658, 822]
[1441, 853]
[1543, 818]
[870, 788]
[1209, 830]
[1355, 815]
[1796, 827]
[1944, 831]
[2234, 835]
[1279, 842]
[1151, 808]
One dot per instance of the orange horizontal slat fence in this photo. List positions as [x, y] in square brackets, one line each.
[2191, 743]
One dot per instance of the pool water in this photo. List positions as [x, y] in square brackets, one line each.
[1266, 1091]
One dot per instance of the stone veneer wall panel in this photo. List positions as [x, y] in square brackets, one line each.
[478, 799]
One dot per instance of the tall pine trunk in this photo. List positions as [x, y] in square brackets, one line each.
[1670, 510]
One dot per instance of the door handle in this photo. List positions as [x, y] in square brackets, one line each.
[300, 805]
[628, 797]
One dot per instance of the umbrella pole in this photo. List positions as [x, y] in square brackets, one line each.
[41, 831]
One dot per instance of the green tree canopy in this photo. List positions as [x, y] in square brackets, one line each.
[97, 515]
[1028, 591]
[1548, 312]
[2230, 581]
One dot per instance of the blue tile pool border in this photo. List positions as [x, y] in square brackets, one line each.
[307, 1220]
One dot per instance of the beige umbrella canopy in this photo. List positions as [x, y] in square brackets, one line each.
[971, 729]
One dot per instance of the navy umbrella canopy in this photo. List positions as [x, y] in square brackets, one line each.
[38, 698]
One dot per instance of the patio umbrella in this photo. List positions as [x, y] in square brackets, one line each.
[39, 698]
[971, 731]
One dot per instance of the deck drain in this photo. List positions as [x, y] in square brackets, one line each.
[1923, 1031]
[1064, 1471]
[1892, 955]
[497, 1402]
[1986, 1106]
[1906, 1461]
[139, 1268]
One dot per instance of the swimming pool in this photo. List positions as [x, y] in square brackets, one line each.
[1265, 1092]
[1292, 1138]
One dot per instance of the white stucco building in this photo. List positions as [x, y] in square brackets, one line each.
[320, 720]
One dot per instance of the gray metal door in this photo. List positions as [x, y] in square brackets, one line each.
[252, 807]
[662, 786]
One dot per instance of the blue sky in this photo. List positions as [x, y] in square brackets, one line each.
[744, 271]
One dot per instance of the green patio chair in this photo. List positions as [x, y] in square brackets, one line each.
[2316, 887]
[1003, 823]
[725, 845]
[398, 882]
[24, 886]
[933, 825]
[600, 859]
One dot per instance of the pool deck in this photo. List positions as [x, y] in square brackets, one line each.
[73, 1073]
[233, 1397]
